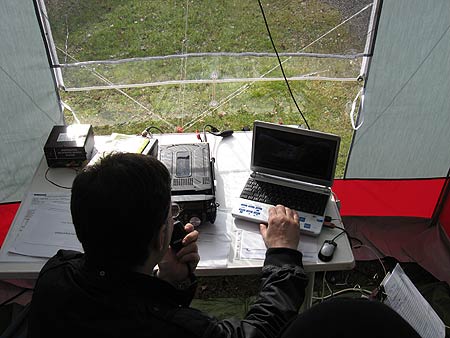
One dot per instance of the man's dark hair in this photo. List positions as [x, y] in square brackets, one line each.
[118, 207]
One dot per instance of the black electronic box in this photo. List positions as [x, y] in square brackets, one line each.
[192, 173]
[69, 146]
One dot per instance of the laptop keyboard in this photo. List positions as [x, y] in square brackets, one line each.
[300, 200]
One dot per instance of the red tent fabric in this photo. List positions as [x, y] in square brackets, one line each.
[402, 197]
[7, 213]
[399, 218]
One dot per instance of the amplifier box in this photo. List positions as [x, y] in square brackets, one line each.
[69, 146]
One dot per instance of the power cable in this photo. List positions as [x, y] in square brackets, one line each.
[56, 184]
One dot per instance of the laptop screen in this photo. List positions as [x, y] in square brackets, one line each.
[294, 153]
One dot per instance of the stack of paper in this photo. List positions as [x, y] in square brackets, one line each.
[403, 297]
[46, 227]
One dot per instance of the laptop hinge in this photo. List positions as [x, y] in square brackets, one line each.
[291, 183]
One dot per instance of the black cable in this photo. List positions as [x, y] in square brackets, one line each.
[332, 225]
[213, 129]
[355, 239]
[15, 296]
[339, 234]
[147, 133]
[153, 127]
[216, 132]
[54, 183]
[281, 65]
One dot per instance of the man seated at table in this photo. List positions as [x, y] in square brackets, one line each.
[121, 209]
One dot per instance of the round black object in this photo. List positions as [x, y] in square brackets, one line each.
[326, 252]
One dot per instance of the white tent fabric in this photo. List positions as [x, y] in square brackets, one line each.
[29, 100]
[406, 129]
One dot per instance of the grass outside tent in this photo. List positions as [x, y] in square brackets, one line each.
[111, 30]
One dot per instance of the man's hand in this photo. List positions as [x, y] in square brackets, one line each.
[282, 230]
[176, 266]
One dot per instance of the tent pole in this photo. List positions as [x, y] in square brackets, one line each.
[443, 196]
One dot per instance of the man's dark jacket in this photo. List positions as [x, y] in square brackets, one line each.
[74, 299]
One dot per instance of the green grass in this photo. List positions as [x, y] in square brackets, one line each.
[121, 29]
[224, 308]
[111, 30]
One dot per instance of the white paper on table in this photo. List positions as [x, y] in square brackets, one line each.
[250, 245]
[32, 202]
[47, 227]
[35, 201]
[214, 243]
[309, 247]
[213, 250]
[51, 227]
